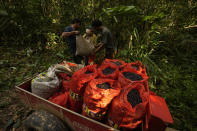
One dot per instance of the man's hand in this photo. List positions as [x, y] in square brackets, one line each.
[76, 32]
[99, 44]
[66, 34]
[98, 47]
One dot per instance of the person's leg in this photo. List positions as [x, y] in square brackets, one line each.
[109, 53]
[78, 59]
[74, 59]
[72, 53]
[86, 58]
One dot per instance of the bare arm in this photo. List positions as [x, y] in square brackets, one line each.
[99, 47]
[66, 34]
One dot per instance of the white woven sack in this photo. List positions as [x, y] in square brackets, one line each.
[83, 47]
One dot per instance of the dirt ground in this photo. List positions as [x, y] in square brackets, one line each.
[15, 67]
[12, 111]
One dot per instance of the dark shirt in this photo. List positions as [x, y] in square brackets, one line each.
[71, 40]
[107, 39]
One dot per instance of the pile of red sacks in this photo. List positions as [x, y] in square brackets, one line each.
[116, 91]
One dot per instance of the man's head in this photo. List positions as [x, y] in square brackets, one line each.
[76, 23]
[97, 25]
[89, 31]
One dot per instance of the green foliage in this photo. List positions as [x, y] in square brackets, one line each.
[160, 33]
[169, 55]
[121, 10]
[154, 17]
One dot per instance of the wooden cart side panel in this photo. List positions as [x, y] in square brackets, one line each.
[79, 122]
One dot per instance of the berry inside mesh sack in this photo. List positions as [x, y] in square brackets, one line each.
[97, 97]
[60, 98]
[108, 71]
[78, 84]
[64, 76]
[137, 66]
[129, 108]
[82, 77]
[66, 81]
[67, 84]
[118, 63]
[128, 76]
[75, 101]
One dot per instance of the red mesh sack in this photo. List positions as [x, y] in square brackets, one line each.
[64, 76]
[66, 85]
[129, 75]
[60, 98]
[129, 108]
[65, 81]
[138, 66]
[98, 95]
[78, 84]
[75, 101]
[115, 62]
[81, 77]
[108, 71]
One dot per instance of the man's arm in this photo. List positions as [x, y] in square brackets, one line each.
[99, 47]
[66, 34]
[103, 42]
